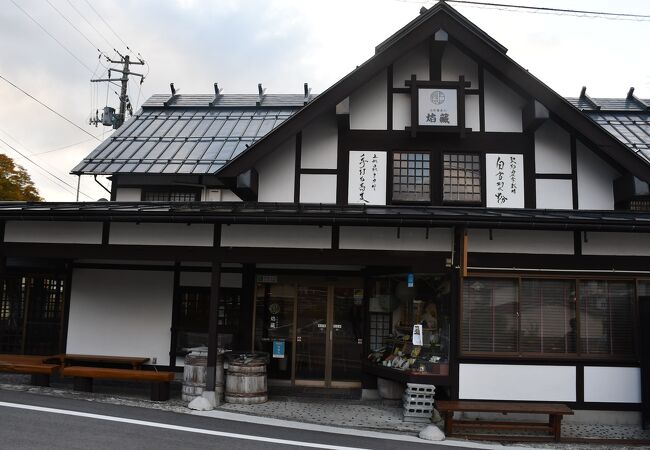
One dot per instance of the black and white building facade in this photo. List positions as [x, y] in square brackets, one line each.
[439, 187]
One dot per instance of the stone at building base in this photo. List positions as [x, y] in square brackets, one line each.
[200, 404]
[370, 394]
[432, 433]
[389, 389]
[206, 402]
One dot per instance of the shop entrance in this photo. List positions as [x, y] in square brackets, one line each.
[313, 330]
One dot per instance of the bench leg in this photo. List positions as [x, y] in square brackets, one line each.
[556, 424]
[83, 384]
[449, 422]
[160, 391]
[41, 379]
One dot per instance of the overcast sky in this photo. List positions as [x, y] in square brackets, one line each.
[280, 43]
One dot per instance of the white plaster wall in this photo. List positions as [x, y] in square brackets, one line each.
[123, 233]
[128, 195]
[317, 188]
[401, 111]
[278, 236]
[277, 173]
[203, 279]
[344, 106]
[623, 244]
[502, 106]
[320, 143]
[517, 382]
[552, 149]
[521, 241]
[472, 113]
[554, 194]
[53, 232]
[595, 180]
[613, 384]
[229, 196]
[385, 238]
[121, 313]
[415, 62]
[368, 105]
[456, 63]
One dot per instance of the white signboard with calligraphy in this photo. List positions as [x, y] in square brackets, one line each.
[504, 180]
[437, 107]
[367, 178]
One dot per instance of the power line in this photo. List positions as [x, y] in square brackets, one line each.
[76, 29]
[108, 26]
[91, 25]
[74, 189]
[559, 11]
[52, 36]
[61, 148]
[50, 109]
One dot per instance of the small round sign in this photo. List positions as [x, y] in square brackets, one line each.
[437, 97]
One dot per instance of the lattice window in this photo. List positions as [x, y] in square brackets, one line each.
[411, 179]
[170, 196]
[379, 329]
[461, 178]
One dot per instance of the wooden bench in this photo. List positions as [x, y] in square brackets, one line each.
[84, 376]
[135, 362]
[553, 427]
[33, 365]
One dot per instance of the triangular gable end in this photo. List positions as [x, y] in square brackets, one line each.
[469, 40]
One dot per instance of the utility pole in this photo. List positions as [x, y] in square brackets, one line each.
[109, 117]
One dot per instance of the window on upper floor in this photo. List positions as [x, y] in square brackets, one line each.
[461, 180]
[411, 177]
[171, 195]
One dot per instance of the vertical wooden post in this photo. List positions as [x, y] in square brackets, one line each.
[244, 340]
[176, 301]
[213, 332]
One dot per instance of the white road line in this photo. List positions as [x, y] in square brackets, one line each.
[177, 427]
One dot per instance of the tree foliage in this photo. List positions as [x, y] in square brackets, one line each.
[15, 183]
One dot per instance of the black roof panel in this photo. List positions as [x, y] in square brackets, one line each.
[188, 135]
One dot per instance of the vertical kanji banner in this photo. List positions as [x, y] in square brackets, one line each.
[504, 180]
[367, 178]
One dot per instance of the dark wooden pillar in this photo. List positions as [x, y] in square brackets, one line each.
[458, 268]
[176, 302]
[213, 332]
[65, 315]
[644, 341]
[246, 310]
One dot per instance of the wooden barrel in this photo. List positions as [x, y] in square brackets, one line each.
[195, 373]
[246, 382]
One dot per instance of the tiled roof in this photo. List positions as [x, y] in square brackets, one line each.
[318, 214]
[188, 135]
[626, 119]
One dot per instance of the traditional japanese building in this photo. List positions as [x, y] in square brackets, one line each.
[439, 187]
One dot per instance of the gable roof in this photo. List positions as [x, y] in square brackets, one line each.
[627, 119]
[188, 134]
[476, 42]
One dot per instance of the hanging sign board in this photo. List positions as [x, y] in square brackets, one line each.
[278, 349]
[437, 107]
[367, 178]
[504, 180]
[417, 335]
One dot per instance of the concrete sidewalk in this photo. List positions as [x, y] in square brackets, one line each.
[369, 416]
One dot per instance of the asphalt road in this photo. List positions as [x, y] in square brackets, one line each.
[32, 421]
